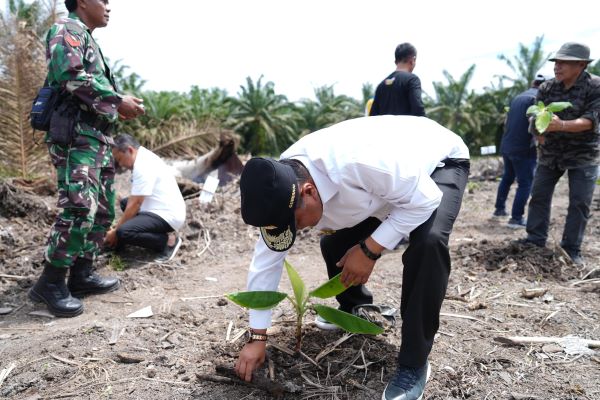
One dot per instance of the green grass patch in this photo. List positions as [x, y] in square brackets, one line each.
[116, 263]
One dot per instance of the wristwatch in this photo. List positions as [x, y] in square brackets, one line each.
[368, 253]
[256, 337]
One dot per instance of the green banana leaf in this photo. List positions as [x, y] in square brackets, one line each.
[331, 288]
[542, 120]
[297, 285]
[257, 300]
[533, 110]
[558, 106]
[346, 321]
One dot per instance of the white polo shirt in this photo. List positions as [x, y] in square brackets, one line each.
[154, 180]
[366, 167]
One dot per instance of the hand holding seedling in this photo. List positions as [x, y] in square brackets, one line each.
[544, 115]
[556, 125]
[357, 267]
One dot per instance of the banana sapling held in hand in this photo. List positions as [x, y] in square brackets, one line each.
[543, 114]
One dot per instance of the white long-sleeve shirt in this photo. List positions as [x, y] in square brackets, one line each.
[366, 167]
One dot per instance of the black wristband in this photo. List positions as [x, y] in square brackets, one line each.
[368, 253]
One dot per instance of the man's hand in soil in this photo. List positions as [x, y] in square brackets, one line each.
[357, 267]
[251, 357]
[110, 240]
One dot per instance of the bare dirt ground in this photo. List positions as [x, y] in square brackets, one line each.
[174, 353]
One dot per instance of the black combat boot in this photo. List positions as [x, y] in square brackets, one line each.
[52, 290]
[83, 280]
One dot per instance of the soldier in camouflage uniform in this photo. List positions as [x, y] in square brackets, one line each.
[84, 164]
[569, 144]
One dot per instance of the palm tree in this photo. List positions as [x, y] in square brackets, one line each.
[265, 120]
[37, 16]
[130, 83]
[595, 68]
[525, 65]
[461, 110]
[368, 92]
[451, 106]
[310, 116]
[22, 71]
[328, 109]
[209, 104]
[164, 106]
[493, 106]
[169, 125]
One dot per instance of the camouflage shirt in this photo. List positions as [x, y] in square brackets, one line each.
[563, 150]
[76, 63]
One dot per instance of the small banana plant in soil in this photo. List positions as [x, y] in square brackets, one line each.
[543, 114]
[302, 302]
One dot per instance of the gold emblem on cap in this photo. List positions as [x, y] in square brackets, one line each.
[278, 242]
[327, 232]
[293, 196]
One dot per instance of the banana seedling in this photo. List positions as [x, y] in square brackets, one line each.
[543, 114]
[265, 300]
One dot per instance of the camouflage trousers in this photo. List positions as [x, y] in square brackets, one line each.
[85, 174]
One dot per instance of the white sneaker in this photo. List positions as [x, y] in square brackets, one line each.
[325, 325]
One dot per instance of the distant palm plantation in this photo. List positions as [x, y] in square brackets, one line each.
[265, 121]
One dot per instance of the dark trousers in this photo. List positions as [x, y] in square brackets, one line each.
[582, 182]
[145, 230]
[521, 168]
[426, 266]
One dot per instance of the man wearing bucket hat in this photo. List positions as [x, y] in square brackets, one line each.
[368, 183]
[571, 144]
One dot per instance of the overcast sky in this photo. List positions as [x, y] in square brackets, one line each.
[300, 45]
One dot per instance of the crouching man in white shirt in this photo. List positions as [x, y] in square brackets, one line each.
[372, 182]
[155, 210]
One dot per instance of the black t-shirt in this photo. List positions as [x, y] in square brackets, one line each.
[399, 94]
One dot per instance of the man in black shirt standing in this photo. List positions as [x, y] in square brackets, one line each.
[400, 92]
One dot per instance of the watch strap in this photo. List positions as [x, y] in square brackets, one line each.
[368, 253]
[257, 337]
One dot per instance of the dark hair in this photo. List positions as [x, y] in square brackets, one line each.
[302, 176]
[300, 170]
[404, 51]
[71, 5]
[123, 141]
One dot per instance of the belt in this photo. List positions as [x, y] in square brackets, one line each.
[457, 162]
[94, 121]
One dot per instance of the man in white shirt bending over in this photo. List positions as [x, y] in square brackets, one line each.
[155, 210]
[368, 182]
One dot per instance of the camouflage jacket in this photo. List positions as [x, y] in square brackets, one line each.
[76, 64]
[563, 150]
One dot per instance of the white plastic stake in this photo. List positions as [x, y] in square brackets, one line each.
[209, 189]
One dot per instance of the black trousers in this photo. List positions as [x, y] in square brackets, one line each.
[426, 265]
[146, 230]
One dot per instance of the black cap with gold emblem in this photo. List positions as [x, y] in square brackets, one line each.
[269, 191]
